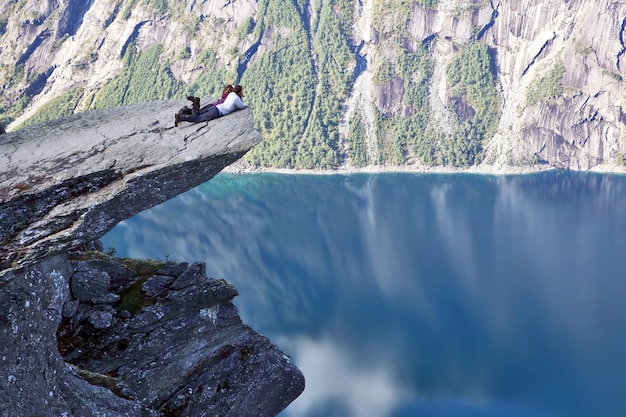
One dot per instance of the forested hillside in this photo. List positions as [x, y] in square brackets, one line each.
[337, 83]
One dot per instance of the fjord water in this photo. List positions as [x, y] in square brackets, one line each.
[419, 294]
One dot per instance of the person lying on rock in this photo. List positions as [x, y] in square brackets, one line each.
[233, 102]
[225, 92]
[195, 101]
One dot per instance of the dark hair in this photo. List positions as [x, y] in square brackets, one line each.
[227, 90]
[238, 90]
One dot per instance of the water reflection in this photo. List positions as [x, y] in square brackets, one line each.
[432, 295]
[337, 386]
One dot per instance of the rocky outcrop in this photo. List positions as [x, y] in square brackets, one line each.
[133, 338]
[68, 182]
[84, 334]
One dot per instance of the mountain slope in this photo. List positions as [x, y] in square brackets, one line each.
[337, 83]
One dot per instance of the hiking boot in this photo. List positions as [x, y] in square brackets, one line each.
[195, 101]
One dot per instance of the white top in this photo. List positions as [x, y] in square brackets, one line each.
[232, 103]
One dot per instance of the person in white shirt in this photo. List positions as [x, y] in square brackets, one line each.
[233, 102]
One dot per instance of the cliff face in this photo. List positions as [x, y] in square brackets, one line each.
[558, 66]
[84, 334]
[581, 128]
[584, 127]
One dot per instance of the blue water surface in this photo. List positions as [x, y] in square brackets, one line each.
[418, 294]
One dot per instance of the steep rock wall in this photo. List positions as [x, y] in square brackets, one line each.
[583, 129]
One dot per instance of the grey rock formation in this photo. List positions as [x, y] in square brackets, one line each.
[87, 335]
[181, 350]
[68, 182]
[35, 378]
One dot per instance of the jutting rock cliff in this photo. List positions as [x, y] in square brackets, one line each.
[86, 334]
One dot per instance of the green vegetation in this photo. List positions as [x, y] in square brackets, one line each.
[147, 76]
[472, 77]
[56, 108]
[383, 73]
[280, 88]
[116, 9]
[4, 21]
[619, 160]
[144, 78]
[10, 111]
[207, 58]
[245, 28]
[158, 5]
[357, 144]
[615, 76]
[462, 9]
[297, 96]
[583, 49]
[59, 42]
[185, 53]
[210, 83]
[411, 134]
[399, 138]
[129, 9]
[548, 88]
[213, 78]
[320, 146]
[392, 16]
[429, 4]
[390, 150]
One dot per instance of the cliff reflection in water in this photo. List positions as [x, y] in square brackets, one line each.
[405, 295]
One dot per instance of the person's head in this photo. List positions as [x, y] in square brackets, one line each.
[227, 90]
[238, 90]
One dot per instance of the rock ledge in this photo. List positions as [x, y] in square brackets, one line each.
[68, 182]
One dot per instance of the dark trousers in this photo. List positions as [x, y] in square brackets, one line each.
[211, 113]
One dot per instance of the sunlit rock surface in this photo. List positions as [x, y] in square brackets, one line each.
[69, 181]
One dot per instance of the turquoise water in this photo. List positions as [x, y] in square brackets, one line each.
[419, 295]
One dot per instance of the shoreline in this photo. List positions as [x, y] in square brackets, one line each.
[241, 167]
